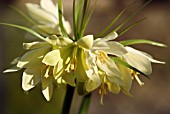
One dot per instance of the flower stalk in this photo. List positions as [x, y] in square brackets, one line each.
[85, 104]
[68, 100]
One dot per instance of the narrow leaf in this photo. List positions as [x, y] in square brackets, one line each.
[130, 17]
[141, 41]
[23, 14]
[26, 29]
[60, 13]
[84, 16]
[89, 17]
[76, 16]
[131, 26]
[74, 19]
[114, 20]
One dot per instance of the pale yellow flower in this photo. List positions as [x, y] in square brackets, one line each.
[46, 17]
[141, 61]
[40, 64]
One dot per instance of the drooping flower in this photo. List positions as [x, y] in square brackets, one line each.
[111, 77]
[46, 18]
[40, 63]
[141, 61]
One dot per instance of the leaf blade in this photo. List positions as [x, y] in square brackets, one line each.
[141, 41]
[25, 29]
[60, 14]
[131, 26]
[129, 18]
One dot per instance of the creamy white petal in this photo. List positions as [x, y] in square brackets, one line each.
[92, 71]
[30, 78]
[108, 66]
[113, 87]
[126, 76]
[69, 78]
[99, 45]
[110, 37]
[62, 41]
[115, 48]
[115, 79]
[91, 85]
[58, 69]
[12, 69]
[27, 81]
[50, 28]
[59, 41]
[81, 66]
[40, 15]
[34, 45]
[138, 60]
[48, 92]
[151, 58]
[31, 56]
[86, 42]
[67, 26]
[49, 6]
[52, 58]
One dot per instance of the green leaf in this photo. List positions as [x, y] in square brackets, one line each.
[76, 16]
[60, 13]
[88, 19]
[129, 18]
[74, 19]
[131, 26]
[122, 62]
[141, 41]
[114, 20]
[26, 29]
[23, 14]
[84, 16]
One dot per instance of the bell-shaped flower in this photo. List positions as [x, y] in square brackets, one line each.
[46, 17]
[111, 78]
[141, 61]
[40, 64]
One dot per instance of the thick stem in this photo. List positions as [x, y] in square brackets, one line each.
[85, 104]
[68, 100]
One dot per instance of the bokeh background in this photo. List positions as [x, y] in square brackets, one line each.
[153, 98]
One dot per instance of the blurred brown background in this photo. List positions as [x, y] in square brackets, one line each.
[153, 98]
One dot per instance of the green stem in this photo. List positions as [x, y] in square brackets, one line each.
[68, 100]
[85, 104]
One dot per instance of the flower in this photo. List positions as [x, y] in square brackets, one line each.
[46, 17]
[80, 61]
[57, 60]
[40, 64]
[111, 78]
[141, 61]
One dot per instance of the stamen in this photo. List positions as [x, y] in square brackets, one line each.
[139, 81]
[72, 67]
[67, 60]
[47, 72]
[68, 68]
